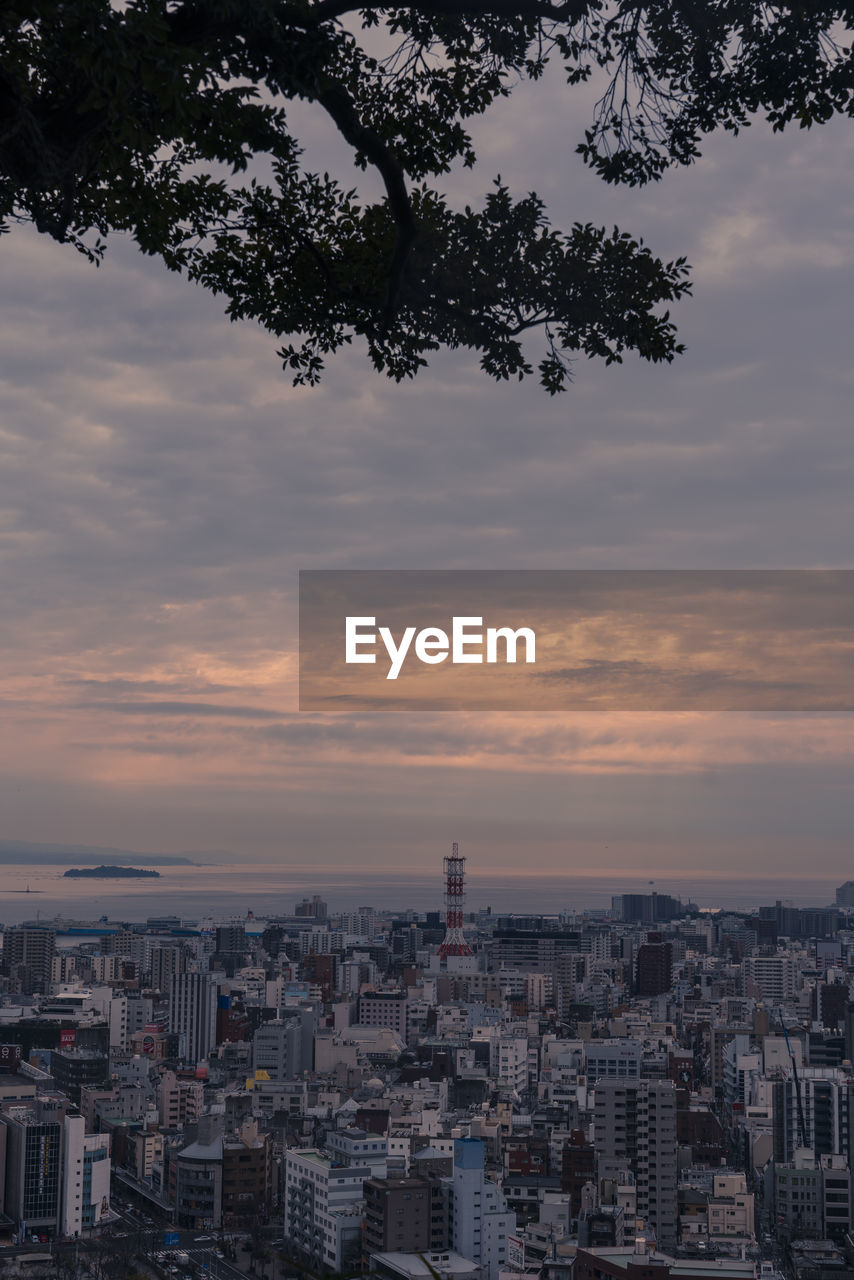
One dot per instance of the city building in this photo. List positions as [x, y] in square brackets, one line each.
[404, 1215]
[85, 1178]
[28, 956]
[31, 1158]
[74, 1069]
[635, 1129]
[479, 1221]
[192, 1014]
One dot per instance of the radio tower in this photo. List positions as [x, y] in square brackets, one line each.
[454, 943]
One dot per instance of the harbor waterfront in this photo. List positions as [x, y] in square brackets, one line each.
[215, 891]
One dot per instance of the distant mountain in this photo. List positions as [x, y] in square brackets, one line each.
[18, 851]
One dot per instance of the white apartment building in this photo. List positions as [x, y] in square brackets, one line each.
[85, 1177]
[770, 977]
[323, 1208]
[479, 1220]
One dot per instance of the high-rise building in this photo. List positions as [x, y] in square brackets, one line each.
[230, 938]
[816, 1111]
[323, 1216]
[28, 955]
[192, 1014]
[635, 1129]
[127, 944]
[247, 1174]
[645, 908]
[85, 1177]
[479, 1221]
[578, 1168]
[311, 908]
[31, 1140]
[277, 1049]
[164, 962]
[654, 968]
[230, 948]
[73, 1068]
[771, 977]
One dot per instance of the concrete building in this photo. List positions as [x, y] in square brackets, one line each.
[179, 1100]
[230, 939]
[196, 1183]
[445, 1264]
[730, 1208]
[85, 1178]
[247, 1175]
[812, 1199]
[105, 969]
[384, 1009]
[654, 967]
[827, 1107]
[356, 1148]
[31, 1152]
[28, 957]
[635, 1129]
[323, 1208]
[404, 1215]
[192, 1014]
[770, 977]
[479, 1221]
[277, 1049]
[311, 908]
[74, 1068]
[633, 1263]
[612, 1060]
[165, 961]
[511, 1063]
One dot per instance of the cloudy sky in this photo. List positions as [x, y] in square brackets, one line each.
[162, 484]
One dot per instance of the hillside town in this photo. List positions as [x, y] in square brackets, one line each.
[649, 1091]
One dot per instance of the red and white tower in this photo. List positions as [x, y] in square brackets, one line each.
[454, 943]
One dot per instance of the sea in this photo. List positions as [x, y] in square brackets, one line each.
[244, 890]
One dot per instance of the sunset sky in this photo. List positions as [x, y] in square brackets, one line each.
[162, 484]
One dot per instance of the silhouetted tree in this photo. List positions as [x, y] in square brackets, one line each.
[144, 118]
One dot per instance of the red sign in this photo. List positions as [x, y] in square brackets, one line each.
[67, 1039]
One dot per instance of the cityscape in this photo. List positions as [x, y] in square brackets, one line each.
[633, 1092]
[426, 663]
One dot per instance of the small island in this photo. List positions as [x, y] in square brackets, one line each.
[110, 873]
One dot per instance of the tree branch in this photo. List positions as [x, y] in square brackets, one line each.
[570, 11]
[339, 105]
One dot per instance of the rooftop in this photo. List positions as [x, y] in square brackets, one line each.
[678, 1266]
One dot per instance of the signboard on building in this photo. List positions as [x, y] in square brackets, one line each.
[67, 1038]
[10, 1057]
